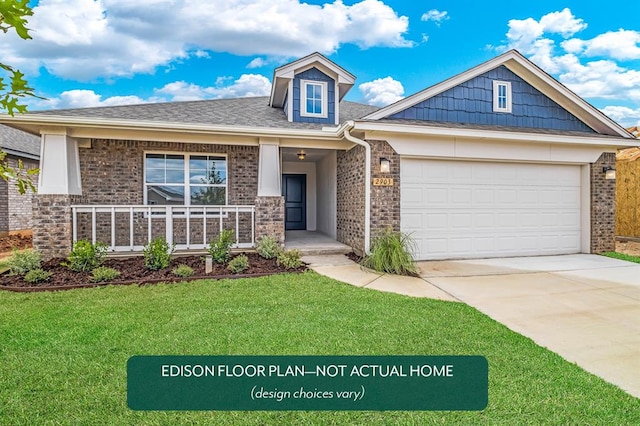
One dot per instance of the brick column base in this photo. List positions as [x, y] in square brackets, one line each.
[52, 224]
[270, 217]
[603, 206]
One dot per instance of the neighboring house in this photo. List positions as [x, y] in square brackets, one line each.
[15, 208]
[501, 160]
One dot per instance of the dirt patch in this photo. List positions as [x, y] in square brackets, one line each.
[628, 247]
[132, 270]
[17, 241]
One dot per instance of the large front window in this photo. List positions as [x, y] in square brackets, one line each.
[185, 179]
[314, 98]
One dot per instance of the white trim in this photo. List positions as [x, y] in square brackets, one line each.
[290, 102]
[533, 75]
[324, 113]
[186, 184]
[386, 127]
[496, 96]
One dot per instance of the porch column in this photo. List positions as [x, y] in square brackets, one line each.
[59, 187]
[270, 218]
[269, 175]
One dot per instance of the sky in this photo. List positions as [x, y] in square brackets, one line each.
[86, 53]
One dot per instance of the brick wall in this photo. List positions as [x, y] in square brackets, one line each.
[52, 228]
[15, 208]
[270, 217]
[350, 198]
[112, 173]
[4, 208]
[385, 200]
[603, 206]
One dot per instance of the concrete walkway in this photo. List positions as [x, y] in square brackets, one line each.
[585, 308]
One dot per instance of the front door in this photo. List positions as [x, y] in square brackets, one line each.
[294, 190]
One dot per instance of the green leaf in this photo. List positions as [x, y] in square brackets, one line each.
[12, 15]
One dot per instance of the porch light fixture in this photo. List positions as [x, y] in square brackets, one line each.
[301, 155]
[609, 172]
[385, 165]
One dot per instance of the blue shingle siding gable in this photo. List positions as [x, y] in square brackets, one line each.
[315, 75]
[472, 102]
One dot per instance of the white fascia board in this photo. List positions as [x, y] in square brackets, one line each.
[424, 130]
[47, 121]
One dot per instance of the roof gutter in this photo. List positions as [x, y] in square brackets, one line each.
[367, 179]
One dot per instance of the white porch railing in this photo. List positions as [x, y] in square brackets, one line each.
[207, 218]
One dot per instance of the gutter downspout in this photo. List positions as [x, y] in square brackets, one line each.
[367, 180]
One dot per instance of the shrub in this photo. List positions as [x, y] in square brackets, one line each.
[220, 247]
[290, 259]
[238, 264]
[182, 271]
[23, 261]
[86, 256]
[157, 254]
[268, 247]
[38, 275]
[104, 273]
[391, 253]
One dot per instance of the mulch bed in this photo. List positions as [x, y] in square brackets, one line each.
[17, 241]
[133, 271]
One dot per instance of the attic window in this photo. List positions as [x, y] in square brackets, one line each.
[313, 98]
[501, 96]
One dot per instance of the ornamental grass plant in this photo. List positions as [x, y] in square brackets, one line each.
[391, 253]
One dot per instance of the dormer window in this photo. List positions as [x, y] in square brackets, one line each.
[502, 96]
[314, 98]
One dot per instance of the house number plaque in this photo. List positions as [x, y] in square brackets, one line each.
[382, 181]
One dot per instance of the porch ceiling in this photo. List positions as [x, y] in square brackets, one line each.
[312, 155]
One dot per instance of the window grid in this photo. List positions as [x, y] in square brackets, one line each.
[185, 179]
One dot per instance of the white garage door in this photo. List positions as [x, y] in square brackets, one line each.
[467, 209]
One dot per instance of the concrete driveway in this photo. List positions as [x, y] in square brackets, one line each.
[585, 308]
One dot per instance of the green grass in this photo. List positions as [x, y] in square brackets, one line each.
[622, 256]
[63, 355]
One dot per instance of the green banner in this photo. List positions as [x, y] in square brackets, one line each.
[307, 382]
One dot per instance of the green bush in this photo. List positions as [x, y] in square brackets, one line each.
[157, 254]
[220, 247]
[268, 247]
[104, 273]
[23, 261]
[35, 276]
[290, 259]
[238, 264]
[86, 256]
[391, 253]
[182, 271]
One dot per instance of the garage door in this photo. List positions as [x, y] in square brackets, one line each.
[467, 209]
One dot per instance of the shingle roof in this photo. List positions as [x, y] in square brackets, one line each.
[250, 112]
[18, 142]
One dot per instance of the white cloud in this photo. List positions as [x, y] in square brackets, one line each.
[257, 63]
[382, 92]
[590, 67]
[81, 98]
[436, 16]
[225, 87]
[85, 39]
[245, 86]
[621, 45]
[627, 117]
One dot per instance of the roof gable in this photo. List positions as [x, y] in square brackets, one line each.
[471, 102]
[529, 73]
[284, 74]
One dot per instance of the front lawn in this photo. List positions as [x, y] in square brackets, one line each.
[63, 355]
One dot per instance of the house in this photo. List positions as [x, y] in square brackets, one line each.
[15, 208]
[500, 160]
